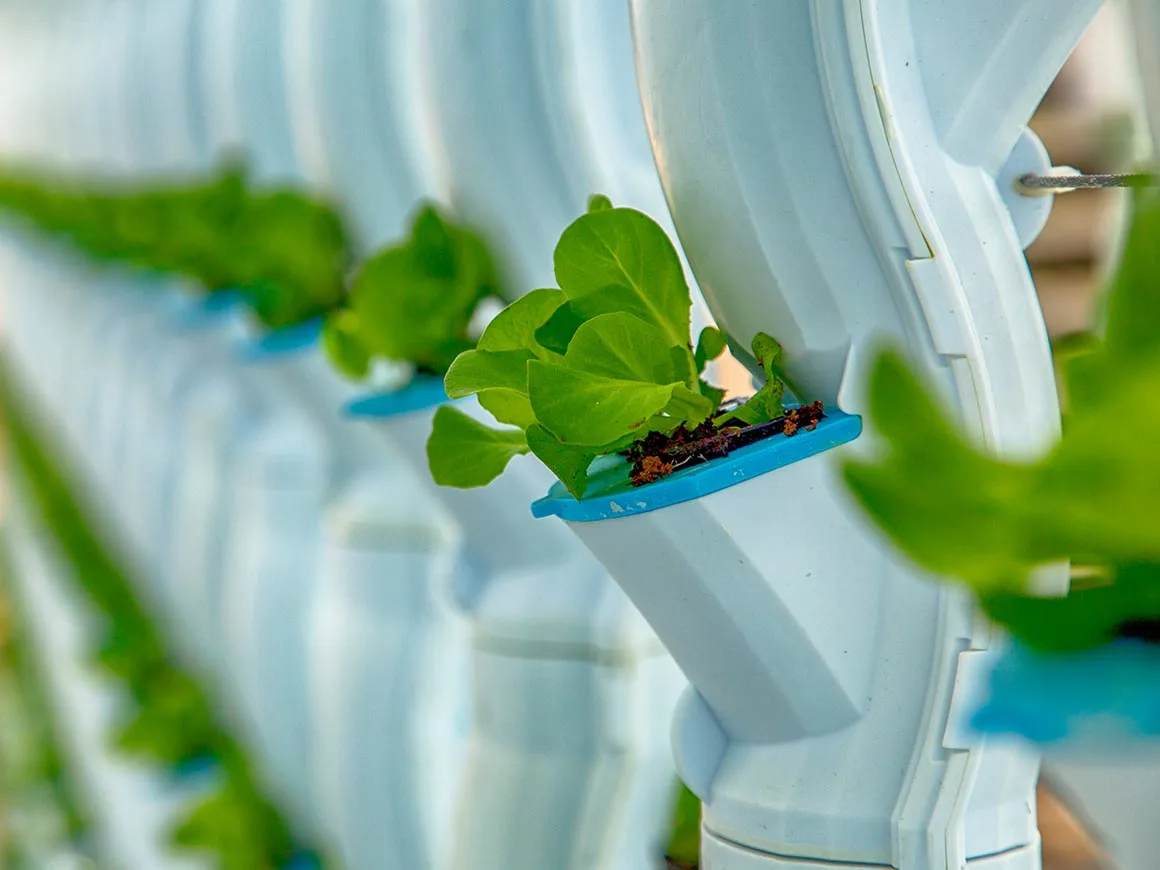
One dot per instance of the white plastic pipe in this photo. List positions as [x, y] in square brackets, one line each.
[388, 674]
[131, 804]
[840, 174]
[388, 666]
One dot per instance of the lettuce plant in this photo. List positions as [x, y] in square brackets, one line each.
[962, 513]
[289, 255]
[287, 252]
[414, 301]
[193, 227]
[593, 367]
[169, 227]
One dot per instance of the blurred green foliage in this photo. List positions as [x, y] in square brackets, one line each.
[170, 722]
[1094, 498]
[287, 253]
[684, 849]
[33, 776]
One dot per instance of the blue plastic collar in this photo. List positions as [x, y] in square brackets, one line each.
[282, 342]
[423, 392]
[1050, 699]
[610, 494]
[303, 861]
[194, 768]
[197, 312]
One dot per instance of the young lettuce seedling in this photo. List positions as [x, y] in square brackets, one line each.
[593, 367]
[962, 513]
[414, 301]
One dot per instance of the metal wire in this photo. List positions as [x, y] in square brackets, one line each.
[1031, 181]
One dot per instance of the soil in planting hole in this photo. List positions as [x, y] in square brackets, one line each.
[659, 455]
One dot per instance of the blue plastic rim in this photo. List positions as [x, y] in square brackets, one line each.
[1050, 699]
[303, 861]
[194, 769]
[611, 495]
[197, 312]
[422, 393]
[282, 342]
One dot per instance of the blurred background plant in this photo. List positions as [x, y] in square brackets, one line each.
[286, 252]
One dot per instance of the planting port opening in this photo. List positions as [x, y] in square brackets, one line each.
[611, 493]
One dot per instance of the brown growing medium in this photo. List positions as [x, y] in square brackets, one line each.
[659, 455]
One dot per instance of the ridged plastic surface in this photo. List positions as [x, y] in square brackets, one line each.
[831, 169]
[134, 805]
[388, 674]
[350, 82]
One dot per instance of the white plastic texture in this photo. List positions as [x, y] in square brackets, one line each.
[179, 362]
[304, 377]
[148, 29]
[117, 434]
[171, 85]
[159, 140]
[333, 648]
[28, 268]
[504, 157]
[132, 806]
[24, 105]
[108, 299]
[351, 86]
[50, 102]
[220, 413]
[388, 675]
[31, 98]
[93, 78]
[567, 763]
[107, 39]
[283, 478]
[831, 171]
[247, 109]
[71, 362]
[276, 494]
